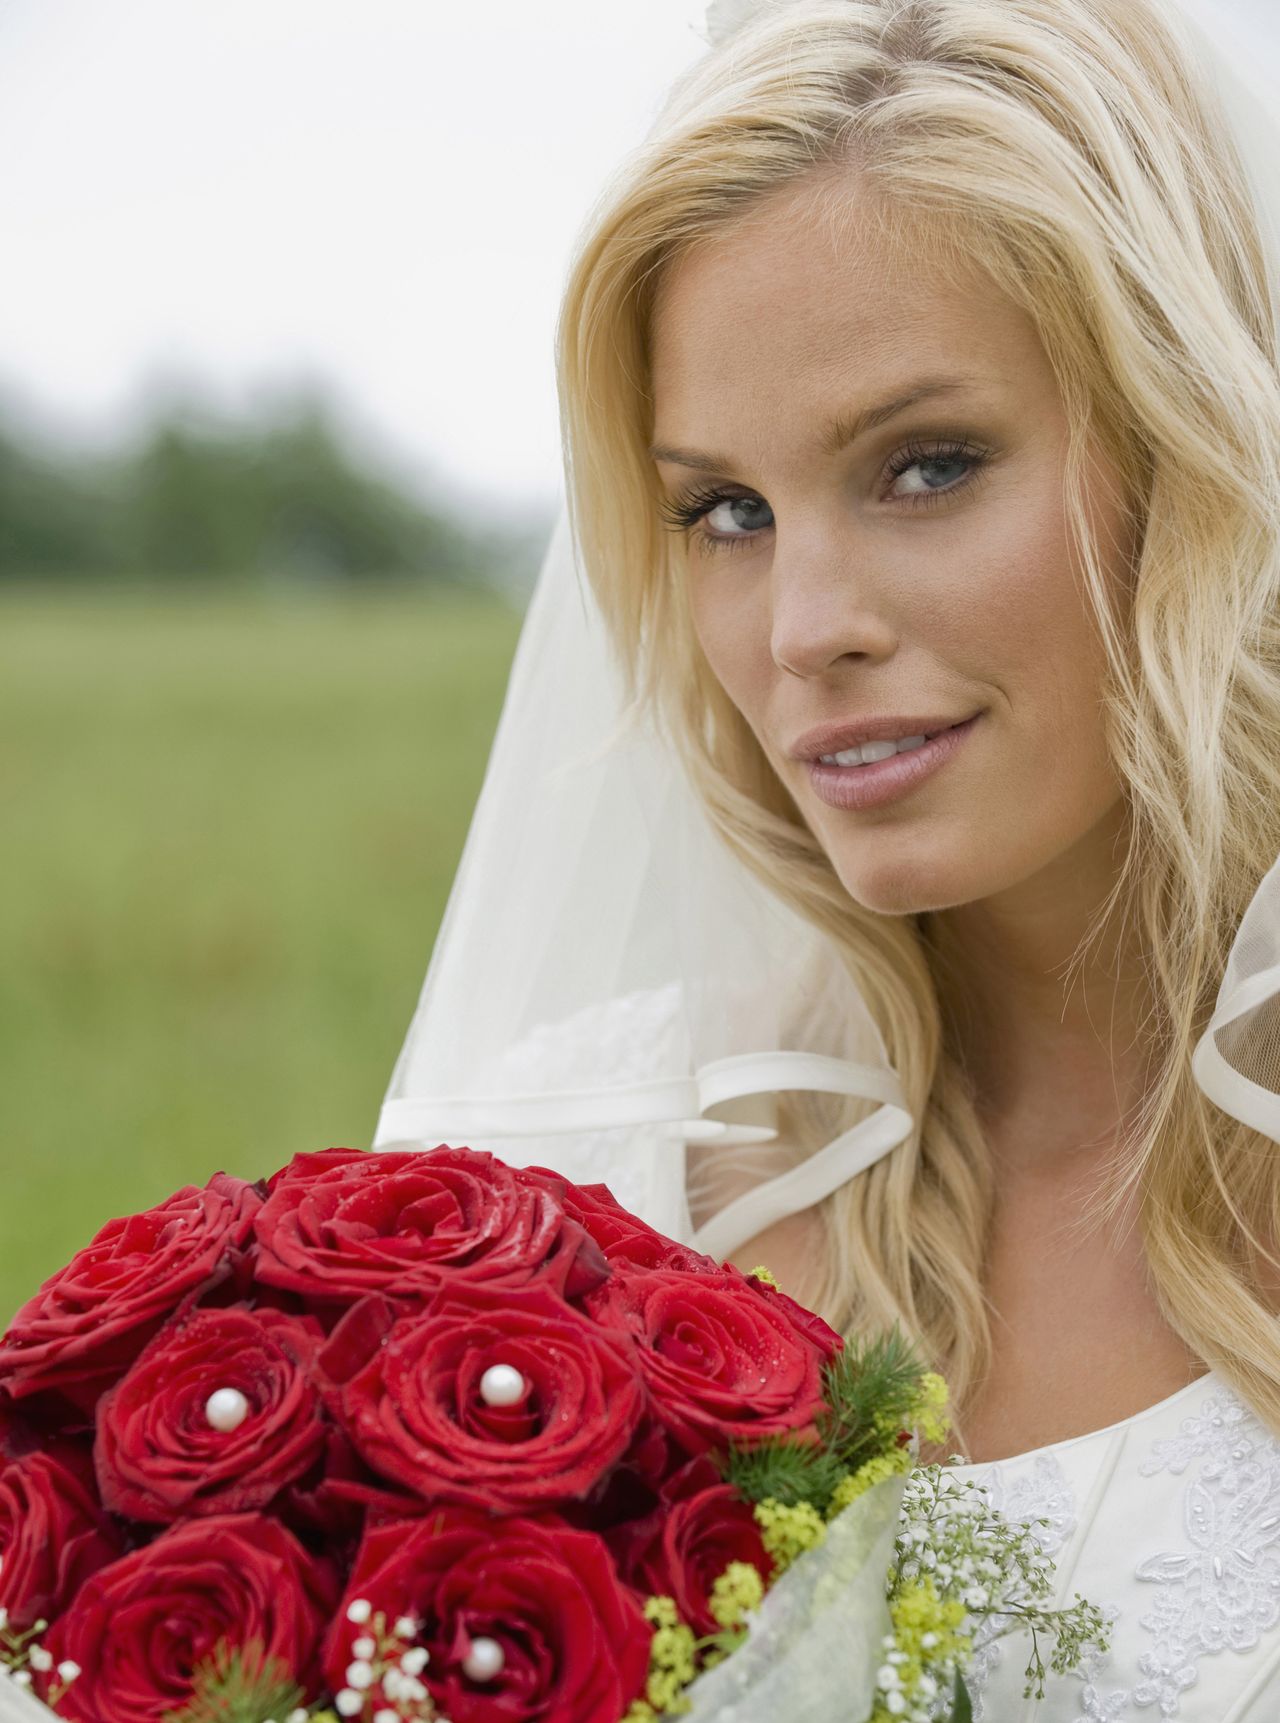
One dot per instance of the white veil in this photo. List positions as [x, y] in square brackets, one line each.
[609, 984]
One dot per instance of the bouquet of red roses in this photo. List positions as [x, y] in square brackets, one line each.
[417, 1434]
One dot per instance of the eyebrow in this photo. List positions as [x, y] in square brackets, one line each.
[845, 428]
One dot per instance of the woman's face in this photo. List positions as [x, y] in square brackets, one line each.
[916, 566]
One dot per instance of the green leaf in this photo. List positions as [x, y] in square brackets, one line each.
[961, 1704]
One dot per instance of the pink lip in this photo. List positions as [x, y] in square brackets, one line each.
[877, 727]
[868, 786]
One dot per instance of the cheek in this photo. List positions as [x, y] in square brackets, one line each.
[1023, 623]
[1030, 637]
[733, 630]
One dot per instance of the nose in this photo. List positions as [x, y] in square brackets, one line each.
[826, 605]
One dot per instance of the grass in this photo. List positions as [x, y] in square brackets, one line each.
[230, 824]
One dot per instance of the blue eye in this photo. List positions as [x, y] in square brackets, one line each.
[691, 507]
[687, 509]
[943, 455]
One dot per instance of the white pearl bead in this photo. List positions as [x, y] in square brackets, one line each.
[226, 1409]
[484, 1660]
[501, 1385]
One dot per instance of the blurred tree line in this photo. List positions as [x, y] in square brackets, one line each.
[280, 495]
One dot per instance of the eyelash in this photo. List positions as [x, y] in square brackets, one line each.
[684, 511]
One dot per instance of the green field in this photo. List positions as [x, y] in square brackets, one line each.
[228, 827]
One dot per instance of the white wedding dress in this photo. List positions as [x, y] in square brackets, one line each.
[1169, 1521]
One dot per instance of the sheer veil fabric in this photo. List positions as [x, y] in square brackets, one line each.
[609, 985]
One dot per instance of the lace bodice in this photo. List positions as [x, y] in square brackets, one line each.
[1169, 1521]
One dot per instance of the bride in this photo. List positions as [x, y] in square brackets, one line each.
[873, 873]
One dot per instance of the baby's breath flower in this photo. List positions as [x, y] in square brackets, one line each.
[919, 1613]
[957, 1559]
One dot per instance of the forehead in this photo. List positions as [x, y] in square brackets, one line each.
[814, 292]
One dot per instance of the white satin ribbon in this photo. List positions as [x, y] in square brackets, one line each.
[677, 1109]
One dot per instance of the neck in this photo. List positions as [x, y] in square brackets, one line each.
[1051, 1040]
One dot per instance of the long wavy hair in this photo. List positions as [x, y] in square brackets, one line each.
[1073, 151]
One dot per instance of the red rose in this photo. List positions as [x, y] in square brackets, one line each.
[625, 1239]
[804, 1320]
[417, 1415]
[344, 1222]
[726, 1357]
[159, 1457]
[89, 1321]
[53, 1535]
[141, 1627]
[702, 1526]
[575, 1646]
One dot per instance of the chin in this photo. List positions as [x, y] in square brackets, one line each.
[901, 886]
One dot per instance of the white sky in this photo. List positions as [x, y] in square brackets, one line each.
[382, 192]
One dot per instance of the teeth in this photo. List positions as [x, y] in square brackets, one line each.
[870, 751]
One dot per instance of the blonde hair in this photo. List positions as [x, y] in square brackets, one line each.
[1068, 148]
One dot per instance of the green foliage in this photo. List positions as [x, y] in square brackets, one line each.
[782, 1469]
[280, 495]
[240, 1687]
[870, 1389]
[962, 1703]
